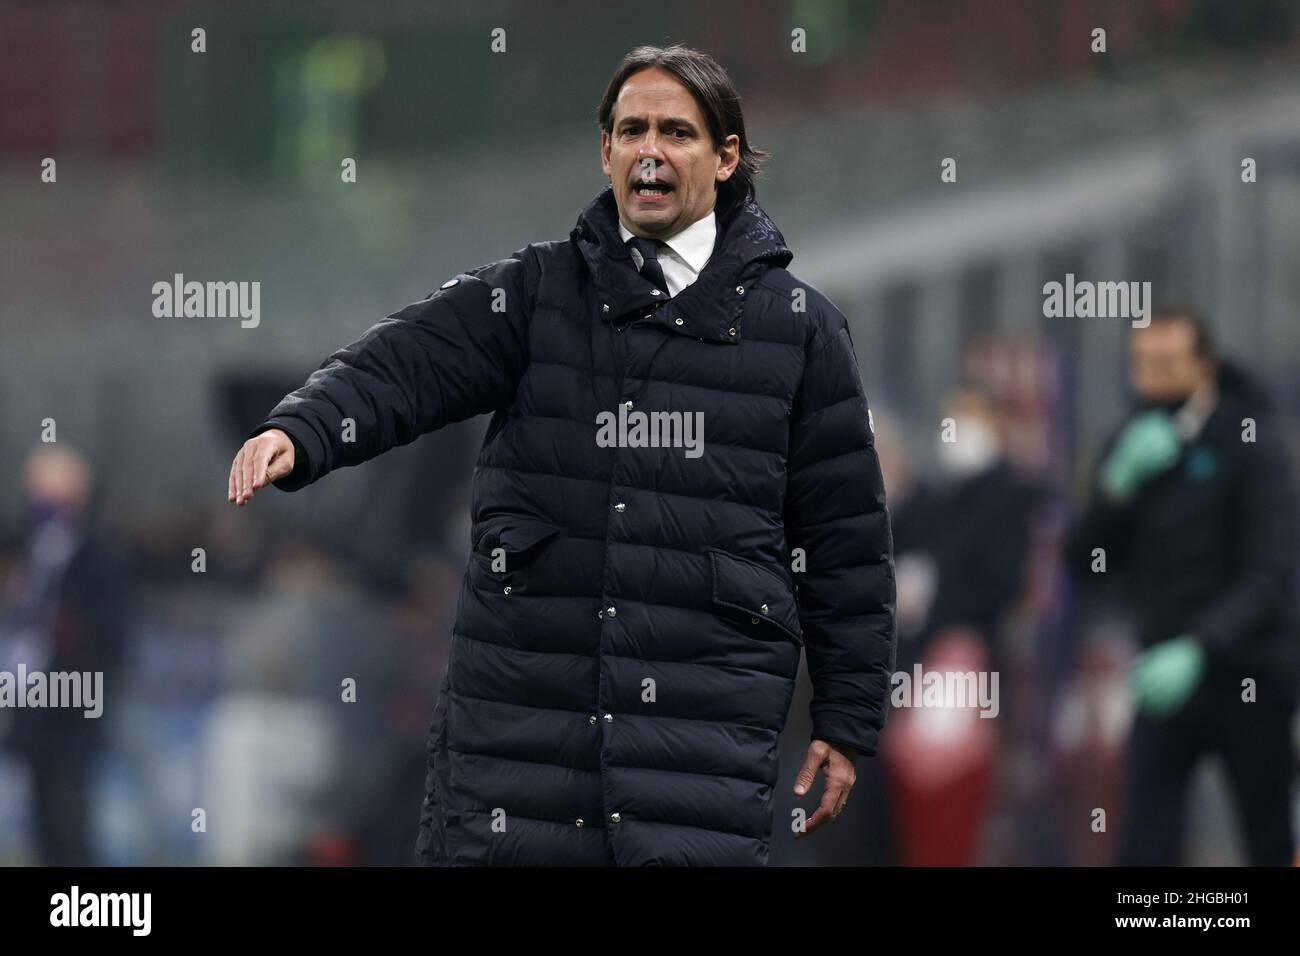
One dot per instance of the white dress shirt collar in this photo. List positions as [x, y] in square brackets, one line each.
[692, 245]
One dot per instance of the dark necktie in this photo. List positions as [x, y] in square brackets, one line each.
[650, 267]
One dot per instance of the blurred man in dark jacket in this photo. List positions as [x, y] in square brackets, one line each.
[1193, 512]
[65, 610]
[972, 527]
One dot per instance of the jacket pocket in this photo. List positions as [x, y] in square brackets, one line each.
[757, 591]
[504, 547]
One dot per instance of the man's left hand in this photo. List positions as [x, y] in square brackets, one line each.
[836, 763]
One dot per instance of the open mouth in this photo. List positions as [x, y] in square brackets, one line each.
[653, 190]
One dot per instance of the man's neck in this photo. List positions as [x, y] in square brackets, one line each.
[668, 238]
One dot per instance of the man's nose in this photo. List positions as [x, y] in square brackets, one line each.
[650, 148]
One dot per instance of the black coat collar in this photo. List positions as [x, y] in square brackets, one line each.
[711, 306]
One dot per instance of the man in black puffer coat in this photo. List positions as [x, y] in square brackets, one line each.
[678, 491]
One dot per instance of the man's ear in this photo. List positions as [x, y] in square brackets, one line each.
[723, 172]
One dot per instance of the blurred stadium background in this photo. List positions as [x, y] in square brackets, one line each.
[225, 166]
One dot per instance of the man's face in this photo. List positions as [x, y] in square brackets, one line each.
[659, 134]
[1164, 366]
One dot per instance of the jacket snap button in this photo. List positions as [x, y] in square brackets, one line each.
[731, 331]
[677, 321]
[605, 308]
[753, 620]
[578, 822]
[654, 291]
[620, 507]
[591, 719]
[628, 405]
[611, 611]
[506, 590]
[600, 615]
[609, 718]
[763, 608]
[740, 290]
[614, 817]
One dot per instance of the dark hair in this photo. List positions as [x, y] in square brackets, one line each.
[1195, 320]
[713, 91]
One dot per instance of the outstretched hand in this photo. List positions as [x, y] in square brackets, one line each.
[264, 458]
[836, 763]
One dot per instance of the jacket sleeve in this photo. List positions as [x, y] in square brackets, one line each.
[1263, 513]
[835, 511]
[459, 352]
[1102, 523]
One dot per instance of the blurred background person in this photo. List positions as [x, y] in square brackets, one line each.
[1123, 165]
[911, 500]
[962, 553]
[1194, 512]
[966, 537]
[65, 609]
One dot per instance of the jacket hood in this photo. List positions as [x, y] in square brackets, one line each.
[747, 243]
[1237, 384]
